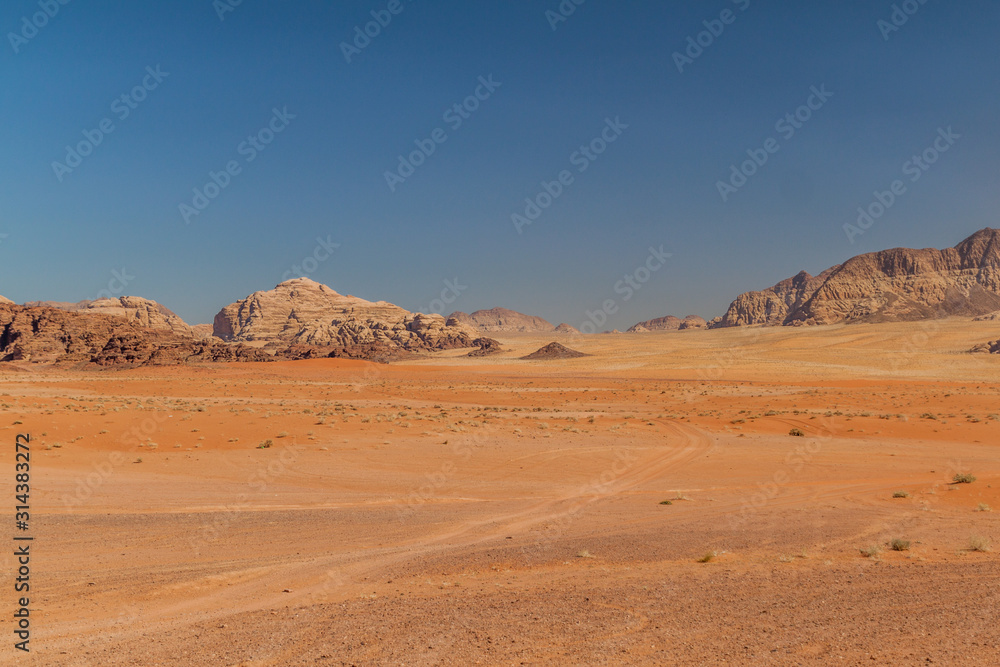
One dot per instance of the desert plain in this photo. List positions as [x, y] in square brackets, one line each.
[450, 510]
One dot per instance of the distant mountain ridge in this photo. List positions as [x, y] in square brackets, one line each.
[669, 323]
[503, 320]
[900, 284]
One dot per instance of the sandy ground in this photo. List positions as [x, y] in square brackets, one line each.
[494, 511]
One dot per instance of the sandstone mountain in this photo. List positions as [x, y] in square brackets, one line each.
[892, 285]
[669, 323]
[502, 320]
[143, 312]
[302, 312]
[52, 335]
[4, 300]
[567, 329]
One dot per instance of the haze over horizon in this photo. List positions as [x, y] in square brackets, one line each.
[313, 184]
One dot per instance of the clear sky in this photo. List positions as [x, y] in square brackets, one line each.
[552, 87]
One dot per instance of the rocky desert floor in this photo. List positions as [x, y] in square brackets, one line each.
[494, 511]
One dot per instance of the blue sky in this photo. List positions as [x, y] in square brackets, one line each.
[343, 125]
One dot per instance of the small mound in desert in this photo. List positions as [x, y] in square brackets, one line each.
[554, 351]
[487, 346]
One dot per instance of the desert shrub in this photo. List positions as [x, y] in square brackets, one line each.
[963, 478]
[901, 494]
[979, 543]
[708, 557]
[666, 502]
[898, 544]
[871, 551]
[796, 432]
[266, 444]
[983, 507]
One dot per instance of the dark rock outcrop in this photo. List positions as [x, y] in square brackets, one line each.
[487, 347]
